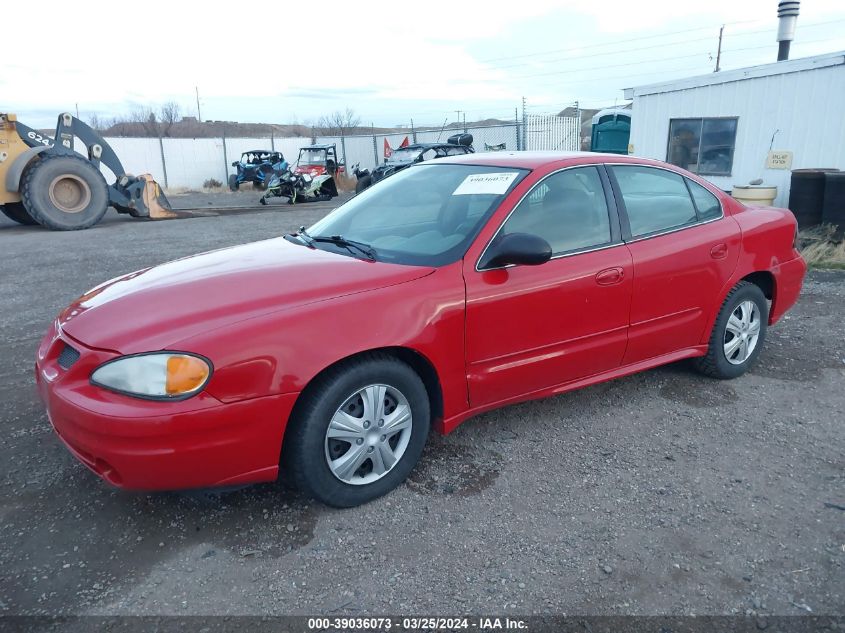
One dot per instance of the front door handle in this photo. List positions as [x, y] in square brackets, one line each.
[720, 251]
[610, 276]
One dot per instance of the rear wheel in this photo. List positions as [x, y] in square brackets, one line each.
[738, 334]
[64, 193]
[233, 182]
[17, 212]
[358, 431]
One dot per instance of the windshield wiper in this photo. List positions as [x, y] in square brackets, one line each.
[368, 251]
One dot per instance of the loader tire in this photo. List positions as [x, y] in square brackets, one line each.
[17, 212]
[64, 193]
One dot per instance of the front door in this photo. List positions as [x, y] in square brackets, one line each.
[529, 328]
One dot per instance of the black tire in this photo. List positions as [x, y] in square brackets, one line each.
[716, 363]
[363, 183]
[304, 455]
[257, 184]
[234, 185]
[64, 193]
[17, 212]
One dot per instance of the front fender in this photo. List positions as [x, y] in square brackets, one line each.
[283, 352]
[13, 176]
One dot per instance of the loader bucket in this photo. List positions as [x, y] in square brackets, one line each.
[140, 197]
[154, 199]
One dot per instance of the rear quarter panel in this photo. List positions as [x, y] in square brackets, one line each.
[768, 235]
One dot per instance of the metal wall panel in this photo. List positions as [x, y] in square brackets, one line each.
[802, 110]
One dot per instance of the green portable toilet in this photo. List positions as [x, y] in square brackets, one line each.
[611, 131]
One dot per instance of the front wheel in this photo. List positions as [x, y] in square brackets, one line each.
[64, 192]
[234, 185]
[738, 334]
[358, 431]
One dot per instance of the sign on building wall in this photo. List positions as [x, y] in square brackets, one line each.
[779, 159]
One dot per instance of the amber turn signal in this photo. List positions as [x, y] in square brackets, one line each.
[185, 374]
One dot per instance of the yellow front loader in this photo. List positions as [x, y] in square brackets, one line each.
[43, 180]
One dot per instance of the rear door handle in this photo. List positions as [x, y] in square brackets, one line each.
[720, 251]
[609, 276]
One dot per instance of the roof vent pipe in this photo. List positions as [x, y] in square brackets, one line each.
[787, 17]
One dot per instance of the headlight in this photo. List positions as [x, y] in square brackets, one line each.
[157, 375]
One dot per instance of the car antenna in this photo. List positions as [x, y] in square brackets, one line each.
[442, 128]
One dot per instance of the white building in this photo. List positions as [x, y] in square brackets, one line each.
[735, 126]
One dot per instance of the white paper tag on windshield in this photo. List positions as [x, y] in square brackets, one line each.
[495, 183]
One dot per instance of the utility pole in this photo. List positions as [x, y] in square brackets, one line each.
[199, 115]
[719, 51]
[77, 110]
[524, 126]
[465, 122]
[458, 115]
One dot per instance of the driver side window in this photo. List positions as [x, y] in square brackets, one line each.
[568, 210]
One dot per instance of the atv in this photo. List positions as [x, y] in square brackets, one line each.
[404, 157]
[256, 166]
[300, 187]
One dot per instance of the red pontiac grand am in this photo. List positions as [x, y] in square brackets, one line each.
[451, 288]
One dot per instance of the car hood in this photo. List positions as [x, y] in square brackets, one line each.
[153, 308]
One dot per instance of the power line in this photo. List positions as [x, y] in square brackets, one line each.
[643, 48]
[644, 61]
[633, 39]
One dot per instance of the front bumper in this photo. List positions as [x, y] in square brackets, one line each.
[151, 445]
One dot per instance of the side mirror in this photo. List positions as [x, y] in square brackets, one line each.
[235, 164]
[519, 249]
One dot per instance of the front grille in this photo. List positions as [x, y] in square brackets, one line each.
[68, 357]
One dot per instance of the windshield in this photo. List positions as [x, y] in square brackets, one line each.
[312, 157]
[404, 155]
[426, 215]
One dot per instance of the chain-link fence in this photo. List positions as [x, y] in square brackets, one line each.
[181, 162]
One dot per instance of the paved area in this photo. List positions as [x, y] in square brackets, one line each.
[665, 492]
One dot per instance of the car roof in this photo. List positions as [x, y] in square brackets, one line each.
[260, 151]
[534, 160]
[319, 146]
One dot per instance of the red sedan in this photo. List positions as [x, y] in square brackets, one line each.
[451, 288]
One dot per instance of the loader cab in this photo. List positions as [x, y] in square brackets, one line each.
[316, 160]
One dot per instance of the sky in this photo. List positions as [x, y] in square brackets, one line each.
[389, 61]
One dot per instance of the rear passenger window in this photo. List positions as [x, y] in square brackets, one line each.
[656, 199]
[568, 210]
[707, 204]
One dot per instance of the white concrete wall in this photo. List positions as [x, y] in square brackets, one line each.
[190, 162]
[806, 109]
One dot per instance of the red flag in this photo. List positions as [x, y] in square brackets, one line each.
[405, 143]
[388, 152]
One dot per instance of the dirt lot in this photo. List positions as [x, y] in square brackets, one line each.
[665, 492]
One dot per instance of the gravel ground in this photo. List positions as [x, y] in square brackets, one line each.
[661, 493]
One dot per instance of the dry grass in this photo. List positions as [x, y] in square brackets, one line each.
[820, 247]
[181, 191]
[345, 182]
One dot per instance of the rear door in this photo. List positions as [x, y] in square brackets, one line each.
[529, 328]
[684, 250]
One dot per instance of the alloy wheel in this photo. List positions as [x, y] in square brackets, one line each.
[368, 434]
[742, 332]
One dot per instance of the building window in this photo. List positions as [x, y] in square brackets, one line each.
[703, 146]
